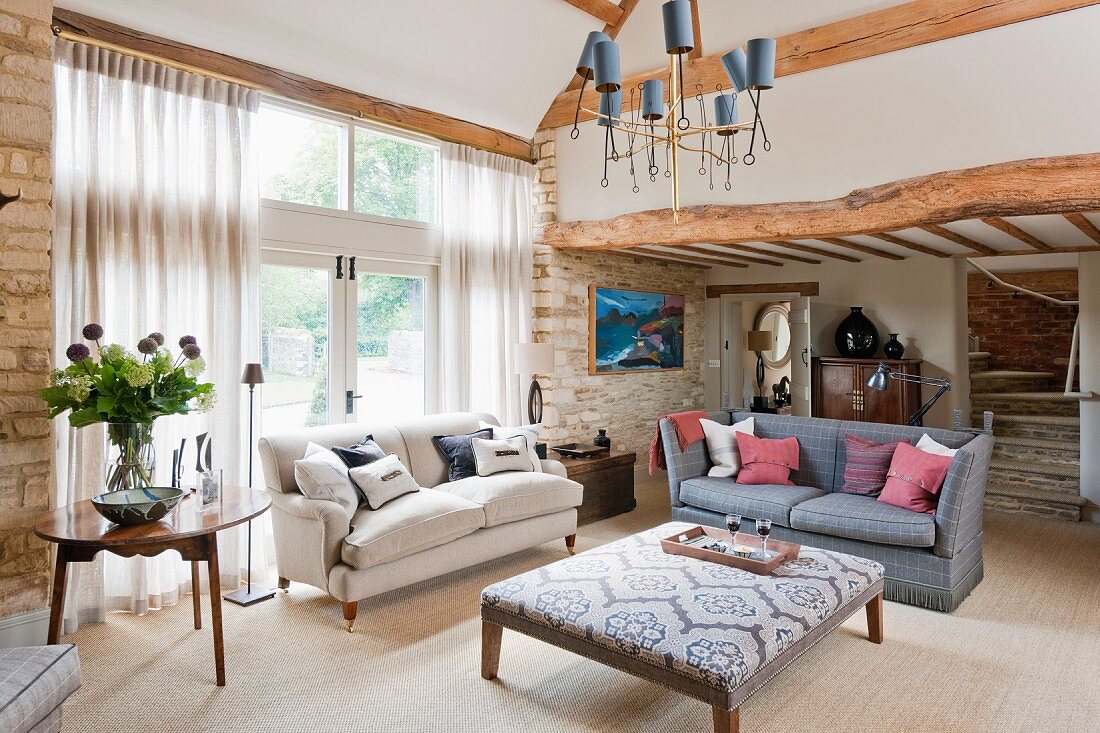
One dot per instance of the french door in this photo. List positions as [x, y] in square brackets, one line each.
[345, 339]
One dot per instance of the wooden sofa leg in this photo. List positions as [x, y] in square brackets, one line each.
[570, 544]
[350, 609]
[726, 721]
[284, 584]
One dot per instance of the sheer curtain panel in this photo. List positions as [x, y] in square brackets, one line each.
[156, 209]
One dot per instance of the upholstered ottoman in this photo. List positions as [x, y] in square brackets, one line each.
[713, 632]
[34, 681]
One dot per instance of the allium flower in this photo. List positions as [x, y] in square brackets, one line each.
[195, 366]
[78, 353]
[147, 345]
[192, 351]
[158, 337]
[139, 375]
[185, 340]
[205, 402]
[93, 332]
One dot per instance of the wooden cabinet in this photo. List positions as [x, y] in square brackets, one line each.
[840, 390]
[608, 481]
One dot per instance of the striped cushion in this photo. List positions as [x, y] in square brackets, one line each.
[868, 462]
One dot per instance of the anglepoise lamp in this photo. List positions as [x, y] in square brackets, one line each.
[253, 375]
[760, 341]
[534, 359]
[879, 380]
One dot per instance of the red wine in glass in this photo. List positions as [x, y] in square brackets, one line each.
[733, 524]
[764, 528]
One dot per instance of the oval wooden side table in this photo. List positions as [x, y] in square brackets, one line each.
[81, 533]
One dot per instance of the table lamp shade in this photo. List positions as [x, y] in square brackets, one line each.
[534, 358]
[760, 340]
[253, 374]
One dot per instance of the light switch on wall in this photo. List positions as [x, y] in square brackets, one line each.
[714, 363]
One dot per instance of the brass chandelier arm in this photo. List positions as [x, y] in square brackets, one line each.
[690, 130]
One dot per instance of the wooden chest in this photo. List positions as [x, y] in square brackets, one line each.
[608, 482]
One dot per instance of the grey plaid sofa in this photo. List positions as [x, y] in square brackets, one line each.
[34, 681]
[932, 561]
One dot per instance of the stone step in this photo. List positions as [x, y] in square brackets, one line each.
[1004, 380]
[1040, 450]
[1034, 501]
[979, 361]
[1026, 403]
[1045, 427]
[1050, 477]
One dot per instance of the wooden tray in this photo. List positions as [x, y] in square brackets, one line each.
[579, 450]
[782, 552]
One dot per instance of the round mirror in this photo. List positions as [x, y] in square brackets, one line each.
[776, 318]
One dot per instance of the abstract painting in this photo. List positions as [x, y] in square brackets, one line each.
[634, 331]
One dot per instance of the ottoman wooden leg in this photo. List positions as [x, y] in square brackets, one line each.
[726, 721]
[874, 619]
[490, 649]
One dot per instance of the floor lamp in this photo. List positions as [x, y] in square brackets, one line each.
[253, 375]
[880, 375]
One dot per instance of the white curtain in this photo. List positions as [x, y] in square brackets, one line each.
[486, 279]
[156, 206]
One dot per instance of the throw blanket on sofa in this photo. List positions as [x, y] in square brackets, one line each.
[688, 430]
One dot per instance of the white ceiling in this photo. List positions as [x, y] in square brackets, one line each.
[495, 62]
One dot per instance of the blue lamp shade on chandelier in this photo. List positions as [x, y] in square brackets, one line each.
[725, 112]
[736, 65]
[585, 65]
[679, 38]
[761, 73]
[611, 105]
[605, 55]
[653, 99]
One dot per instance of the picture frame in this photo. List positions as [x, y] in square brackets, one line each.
[632, 330]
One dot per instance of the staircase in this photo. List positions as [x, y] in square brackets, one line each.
[1036, 466]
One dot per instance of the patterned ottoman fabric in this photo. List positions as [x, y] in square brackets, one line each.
[709, 622]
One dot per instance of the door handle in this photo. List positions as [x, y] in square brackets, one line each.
[805, 361]
[349, 401]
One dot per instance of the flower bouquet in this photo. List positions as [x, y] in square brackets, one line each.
[129, 391]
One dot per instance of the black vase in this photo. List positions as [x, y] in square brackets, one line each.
[893, 349]
[601, 439]
[856, 336]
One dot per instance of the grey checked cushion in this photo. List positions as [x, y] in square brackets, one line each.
[708, 622]
[864, 518]
[757, 501]
[34, 681]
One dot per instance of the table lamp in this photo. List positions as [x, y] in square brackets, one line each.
[760, 341]
[879, 381]
[534, 359]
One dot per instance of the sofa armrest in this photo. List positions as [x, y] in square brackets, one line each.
[309, 534]
[681, 465]
[555, 467]
[959, 514]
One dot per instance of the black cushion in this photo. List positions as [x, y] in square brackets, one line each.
[360, 454]
[459, 452]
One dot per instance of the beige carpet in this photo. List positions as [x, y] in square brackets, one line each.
[1021, 654]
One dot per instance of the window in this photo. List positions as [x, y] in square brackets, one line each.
[311, 159]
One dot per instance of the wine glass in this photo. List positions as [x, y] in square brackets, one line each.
[733, 524]
[764, 528]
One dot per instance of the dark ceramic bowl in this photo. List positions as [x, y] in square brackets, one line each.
[137, 506]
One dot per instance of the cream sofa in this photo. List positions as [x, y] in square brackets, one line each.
[442, 528]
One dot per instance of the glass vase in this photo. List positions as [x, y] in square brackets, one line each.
[130, 455]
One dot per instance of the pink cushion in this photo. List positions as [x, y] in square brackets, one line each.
[765, 461]
[915, 479]
[866, 465]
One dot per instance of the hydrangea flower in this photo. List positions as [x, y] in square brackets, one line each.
[139, 375]
[112, 352]
[147, 346]
[79, 388]
[192, 351]
[205, 402]
[158, 337]
[78, 353]
[162, 361]
[56, 377]
[185, 340]
[93, 332]
[195, 366]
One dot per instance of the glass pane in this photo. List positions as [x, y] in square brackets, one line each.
[394, 177]
[299, 158]
[390, 346]
[294, 328]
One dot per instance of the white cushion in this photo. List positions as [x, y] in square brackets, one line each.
[928, 445]
[383, 481]
[722, 445]
[322, 475]
[407, 525]
[531, 432]
[498, 456]
[510, 497]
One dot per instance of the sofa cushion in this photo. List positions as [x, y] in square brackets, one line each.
[407, 525]
[510, 497]
[383, 481]
[864, 518]
[765, 501]
[322, 475]
[34, 681]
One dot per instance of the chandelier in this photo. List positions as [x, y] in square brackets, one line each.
[659, 126]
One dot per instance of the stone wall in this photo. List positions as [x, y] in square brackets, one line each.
[627, 404]
[26, 130]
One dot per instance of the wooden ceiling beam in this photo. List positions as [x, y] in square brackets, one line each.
[767, 253]
[862, 36]
[813, 250]
[672, 259]
[915, 246]
[958, 239]
[696, 32]
[727, 256]
[1029, 251]
[289, 86]
[612, 31]
[1014, 231]
[837, 242]
[1081, 222]
[606, 11]
[807, 289]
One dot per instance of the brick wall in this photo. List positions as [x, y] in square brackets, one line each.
[26, 109]
[578, 403]
[1022, 332]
